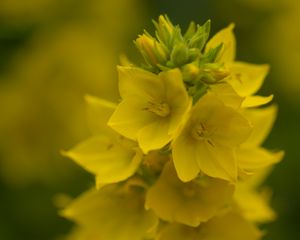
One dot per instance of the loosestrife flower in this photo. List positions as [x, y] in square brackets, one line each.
[110, 156]
[180, 156]
[152, 106]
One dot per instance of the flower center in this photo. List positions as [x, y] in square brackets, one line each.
[160, 109]
[201, 133]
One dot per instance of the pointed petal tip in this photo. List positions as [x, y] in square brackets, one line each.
[231, 26]
[65, 153]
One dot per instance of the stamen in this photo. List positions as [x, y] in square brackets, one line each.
[160, 109]
[201, 133]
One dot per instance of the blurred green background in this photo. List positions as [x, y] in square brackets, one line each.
[53, 52]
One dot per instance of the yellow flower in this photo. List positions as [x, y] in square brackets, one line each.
[111, 157]
[187, 203]
[208, 140]
[152, 106]
[251, 156]
[245, 78]
[113, 212]
[254, 204]
[227, 226]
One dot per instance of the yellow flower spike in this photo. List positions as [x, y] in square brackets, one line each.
[113, 213]
[250, 155]
[187, 203]
[228, 226]
[152, 106]
[228, 51]
[111, 157]
[254, 204]
[208, 140]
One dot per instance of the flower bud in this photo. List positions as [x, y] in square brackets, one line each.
[190, 72]
[165, 29]
[216, 72]
[153, 52]
[180, 54]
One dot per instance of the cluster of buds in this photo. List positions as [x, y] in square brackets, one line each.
[171, 49]
[180, 156]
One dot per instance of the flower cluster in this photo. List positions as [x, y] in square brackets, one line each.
[180, 156]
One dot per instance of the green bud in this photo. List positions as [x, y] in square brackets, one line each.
[216, 71]
[211, 55]
[164, 30]
[190, 72]
[153, 52]
[194, 54]
[208, 78]
[199, 39]
[180, 54]
[190, 31]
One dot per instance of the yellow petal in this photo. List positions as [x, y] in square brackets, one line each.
[227, 94]
[262, 120]
[112, 213]
[254, 180]
[229, 226]
[188, 203]
[176, 231]
[176, 96]
[225, 124]
[110, 160]
[251, 159]
[98, 114]
[129, 117]
[184, 157]
[254, 205]
[137, 83]
[217, 161]
[247, 78]
[256, 101]
[154, 136]
[225, 36]
[231, 127]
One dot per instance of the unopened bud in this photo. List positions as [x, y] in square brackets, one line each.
[153, 51]
[216, 71]
[190, 72]
[180, 54]
[146, 46]
[165, 29]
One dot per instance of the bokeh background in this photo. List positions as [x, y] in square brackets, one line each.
[53, 52]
